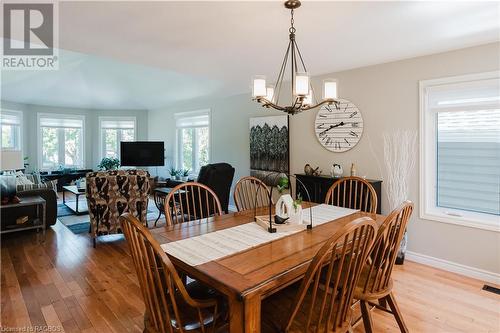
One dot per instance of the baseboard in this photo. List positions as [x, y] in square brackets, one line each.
[450, 266]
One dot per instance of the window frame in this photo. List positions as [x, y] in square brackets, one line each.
[428, 158]
[178, 139]
[40, 116]
[19, 115]
[102, 144]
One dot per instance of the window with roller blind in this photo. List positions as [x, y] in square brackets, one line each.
[60, 141]
[11, 123]
[193, 140]
[460, 150]
[114, 130]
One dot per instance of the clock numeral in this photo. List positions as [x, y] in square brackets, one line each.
[322, 115]
[347, 142]
[320, 126]
[352, 133]
[328, 141]
[346, 106]
[328, 108]
[354, 124]
[337, 145]
[353, 114]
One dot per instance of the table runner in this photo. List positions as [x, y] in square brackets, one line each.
[218, 244]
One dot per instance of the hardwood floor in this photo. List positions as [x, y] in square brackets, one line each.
[67, 283]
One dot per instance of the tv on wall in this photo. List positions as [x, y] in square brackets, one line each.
[142, 153]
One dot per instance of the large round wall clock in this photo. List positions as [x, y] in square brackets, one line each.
[339, 126]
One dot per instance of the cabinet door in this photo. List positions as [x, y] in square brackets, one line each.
[313, 188]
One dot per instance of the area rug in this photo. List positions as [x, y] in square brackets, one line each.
[63, 210]
[79, 224]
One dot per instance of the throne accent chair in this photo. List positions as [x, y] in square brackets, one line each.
[113, 193]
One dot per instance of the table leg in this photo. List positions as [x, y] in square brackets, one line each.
[44, 224]
[76, 205]
[236, 315]
[252, 314]
[64, 197]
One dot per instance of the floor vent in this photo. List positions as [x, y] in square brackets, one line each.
[491, 289]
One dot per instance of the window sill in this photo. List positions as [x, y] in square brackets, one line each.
[463, 221]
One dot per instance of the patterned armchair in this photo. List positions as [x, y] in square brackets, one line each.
[112, 193]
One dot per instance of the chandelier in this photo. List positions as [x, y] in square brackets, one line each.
[303, 97]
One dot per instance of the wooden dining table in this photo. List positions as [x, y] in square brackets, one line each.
[248, 277]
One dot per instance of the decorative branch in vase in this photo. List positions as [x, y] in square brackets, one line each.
[400, 155]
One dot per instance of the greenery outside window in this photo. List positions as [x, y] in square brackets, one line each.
[61, 141]
[114, 130]
[193, 140]
[11, 123]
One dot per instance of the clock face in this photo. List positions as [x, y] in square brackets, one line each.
[339, 127]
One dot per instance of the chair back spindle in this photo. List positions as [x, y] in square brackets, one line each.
[342, 258]
[378, 268]
[353, 192]
[191, 201]
[164, 293]
[250, 193]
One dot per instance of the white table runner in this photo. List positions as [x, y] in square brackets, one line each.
[218, 244]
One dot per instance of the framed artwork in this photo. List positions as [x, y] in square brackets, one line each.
[269, 148]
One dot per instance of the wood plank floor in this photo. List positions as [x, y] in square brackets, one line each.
[67, 283]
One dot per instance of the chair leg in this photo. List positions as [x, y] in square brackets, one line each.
[382, 302]
[397, 313]
[367, 317]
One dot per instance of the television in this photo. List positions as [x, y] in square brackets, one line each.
[142, 153]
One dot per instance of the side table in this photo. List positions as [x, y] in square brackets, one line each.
[37, 222]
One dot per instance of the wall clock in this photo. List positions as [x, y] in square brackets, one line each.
[339, 127]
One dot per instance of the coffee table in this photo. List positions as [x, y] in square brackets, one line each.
[74, 205]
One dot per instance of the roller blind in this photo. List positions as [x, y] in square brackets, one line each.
[10, 118]
[468, 145]
[192, 119]
[118, 123]
[62, 122]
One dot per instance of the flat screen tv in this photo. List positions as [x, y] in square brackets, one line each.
[142, 153]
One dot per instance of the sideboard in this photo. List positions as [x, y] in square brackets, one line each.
[318, 186]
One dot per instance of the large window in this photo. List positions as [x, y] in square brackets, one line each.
[193, 140]
[11, 122]
[114, 130]
[61, 140]
[460, 150]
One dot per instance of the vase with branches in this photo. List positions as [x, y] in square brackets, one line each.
[400, 156]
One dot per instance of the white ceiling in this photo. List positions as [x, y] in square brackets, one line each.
[144, 55]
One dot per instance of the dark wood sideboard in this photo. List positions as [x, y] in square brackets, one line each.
[318, 186]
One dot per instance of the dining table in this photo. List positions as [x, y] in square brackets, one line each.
[247, 277]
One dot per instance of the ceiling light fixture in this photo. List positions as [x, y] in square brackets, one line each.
[302, 94]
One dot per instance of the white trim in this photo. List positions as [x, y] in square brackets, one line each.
[105, 118]
[454, 267]
[61, 116]
[427, 151]
[20, 115]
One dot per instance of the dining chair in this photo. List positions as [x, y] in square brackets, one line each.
[375, 283]
[316, 307]
[250, 193]
[171, 306]
[353, 192]
[191, 201]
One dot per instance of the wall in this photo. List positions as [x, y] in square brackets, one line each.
[388, 97]
[92, 144]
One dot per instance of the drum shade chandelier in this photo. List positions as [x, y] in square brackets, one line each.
[301, 90]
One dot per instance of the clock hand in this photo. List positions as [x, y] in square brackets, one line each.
[332, 126]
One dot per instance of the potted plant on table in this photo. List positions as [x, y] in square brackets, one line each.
[109, 163]
[185, 174]
[173, 172]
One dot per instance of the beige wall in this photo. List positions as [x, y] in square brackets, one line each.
[387, 95]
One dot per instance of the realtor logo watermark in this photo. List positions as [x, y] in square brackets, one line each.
[30, 36]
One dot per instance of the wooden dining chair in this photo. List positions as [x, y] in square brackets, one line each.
[353, 192]
[250, 193]
[170, 305]
[315, 307]
[375, 283]
[191, 201]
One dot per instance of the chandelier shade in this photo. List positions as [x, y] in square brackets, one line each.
[302, 93]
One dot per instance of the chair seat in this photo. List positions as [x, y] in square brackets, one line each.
[276, 309]
[370, 296]
[189, 317]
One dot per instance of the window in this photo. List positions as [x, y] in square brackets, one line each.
[460, 150]
[193, 140]
[113, 131]
[11, 122]
[60, 141]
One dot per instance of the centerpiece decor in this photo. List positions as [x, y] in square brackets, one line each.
[303, 96]
[288, 212]
[109, 163]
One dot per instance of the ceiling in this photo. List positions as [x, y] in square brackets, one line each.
[147, 55]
